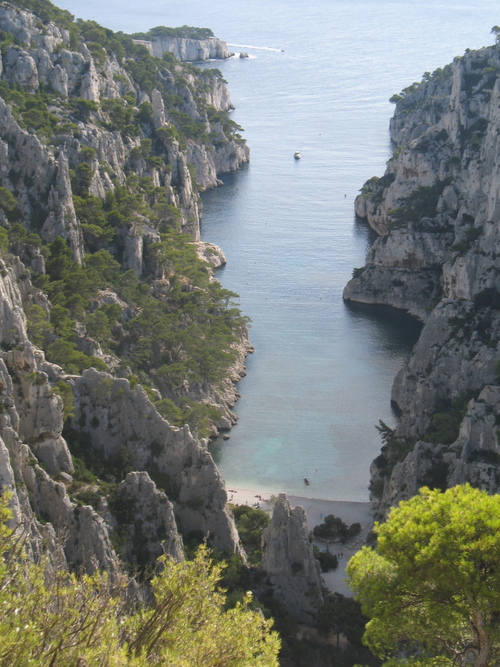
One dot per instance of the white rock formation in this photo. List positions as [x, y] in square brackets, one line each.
[31, 419]
[115, 416]
[150, 526]
[47, 59]
[43, 174]
[437, 210]
[294, 573]
[158, 108]
[191, 50]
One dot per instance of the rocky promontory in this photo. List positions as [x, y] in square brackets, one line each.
[186, 44]
[191, 50]
[436, 211]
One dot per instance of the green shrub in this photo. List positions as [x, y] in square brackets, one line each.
[83, 179]
[184, 31]
[65, 391]
[4, 241]
[7, 201]
[250, 522]
[83, 109]
[327, 560]
[446, 420]
[39, 328]
[65, 354]
[332, 528]
[421, 203]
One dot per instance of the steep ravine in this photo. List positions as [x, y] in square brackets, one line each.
[436, 211]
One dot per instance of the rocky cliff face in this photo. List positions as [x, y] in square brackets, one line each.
[294, 573]
[113, 416]
[436, 211]
[184, 44]
[192, 50]
[104, 150]
[35, 462]
[42, 58]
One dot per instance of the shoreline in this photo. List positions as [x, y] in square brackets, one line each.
[316, 510]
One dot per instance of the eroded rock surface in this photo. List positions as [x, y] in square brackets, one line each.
[31, 423]
[114, 416]
[294, 573]
[436, 210]
[82, 127]
[148, 521]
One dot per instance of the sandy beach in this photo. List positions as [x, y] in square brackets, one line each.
[316, 511]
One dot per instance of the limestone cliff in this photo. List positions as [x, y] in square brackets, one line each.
[114, 416]
[35, 462]
[294, 573]
[185, 43]
[436, 210]
[188, 50]
[107, 296]
[42, 57]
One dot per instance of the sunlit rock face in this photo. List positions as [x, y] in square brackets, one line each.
[436, 210]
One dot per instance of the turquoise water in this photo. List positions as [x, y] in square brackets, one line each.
[318, 80]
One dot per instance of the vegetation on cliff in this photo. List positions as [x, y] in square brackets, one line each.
[182, 332]
[185, 31]
[90, 620]
[436, 257]
[114, 336]
[105, 150]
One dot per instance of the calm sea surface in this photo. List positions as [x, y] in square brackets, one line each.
[318, 80]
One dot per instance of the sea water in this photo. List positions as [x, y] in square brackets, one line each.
[318, 80]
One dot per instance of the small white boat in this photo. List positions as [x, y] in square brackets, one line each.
[296, 155]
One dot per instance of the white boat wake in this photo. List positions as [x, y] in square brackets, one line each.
[261, 48]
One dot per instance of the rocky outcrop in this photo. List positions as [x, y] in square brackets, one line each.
[191, 50]
[61, 220]
[29, 168]
[294, 574]
[115, 416]
[31, 419]
[147, 523]
[456, 354]
[28, 30]
[436, 210]
[38, 173]
[211, 254]
[473, 458]
[475, 455]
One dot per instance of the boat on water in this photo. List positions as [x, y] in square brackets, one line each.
[296, 155]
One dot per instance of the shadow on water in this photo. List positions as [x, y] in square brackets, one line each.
[397, 330]
[215, 448]
[230, 182]
[393, 333]
[362, 229]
